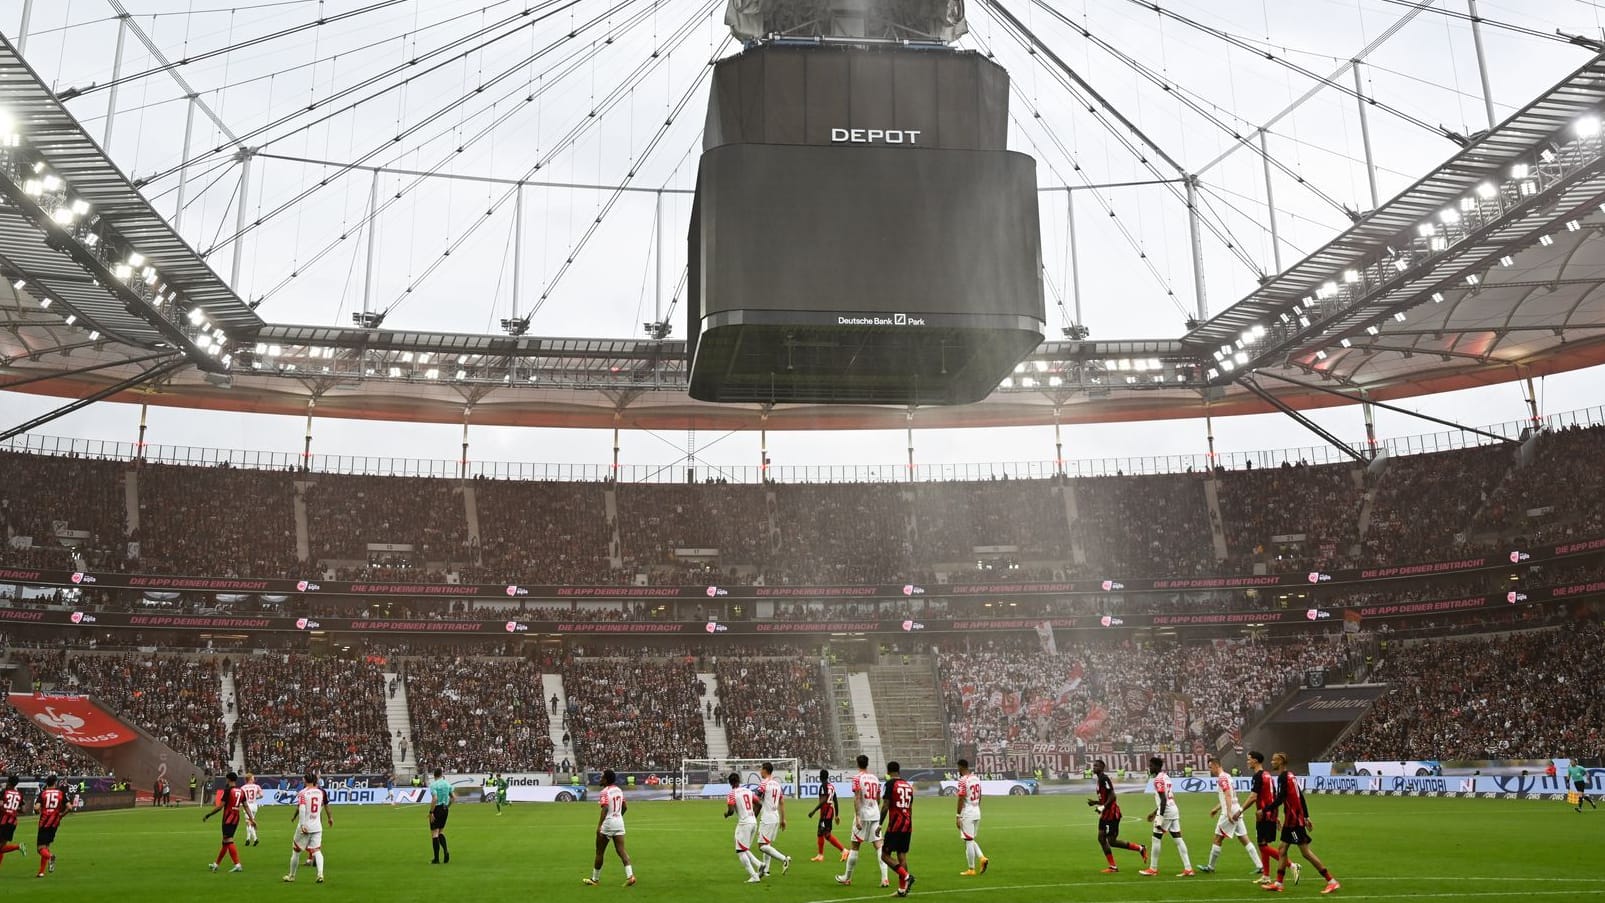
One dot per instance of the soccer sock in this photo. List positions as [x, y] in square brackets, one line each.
[969, 853]
[1128, 845]
[445, 851]
[885, 870]
[1266, 856]
[902, 875]
[821, 845]
[295, 861]
[1326, 874]
[1253, 856]
[9, 848]
[44, 858]
[1181, 847]
[221, 852]
[746, 863]
[1214, 855]
[834, 842]
[1111, 858]
[852, 863]
[1153, 852]
[629, 872]
[596, 874]
[434, 846]
[772, 853]
[317, 859]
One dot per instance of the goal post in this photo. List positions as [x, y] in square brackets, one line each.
[704, 778]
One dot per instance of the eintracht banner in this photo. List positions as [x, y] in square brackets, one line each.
[74, 719]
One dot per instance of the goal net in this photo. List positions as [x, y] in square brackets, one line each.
[710, 778]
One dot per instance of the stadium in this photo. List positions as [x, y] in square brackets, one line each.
[1195, 405]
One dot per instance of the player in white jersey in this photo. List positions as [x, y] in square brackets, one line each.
[610, 825]
[866, 821]
[252, 792]
[311, 813]
[1166, 818]
[772, 818]
[743, 804]
[1230, 822]
[968, 820]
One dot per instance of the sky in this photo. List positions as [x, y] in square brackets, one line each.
[612, 93]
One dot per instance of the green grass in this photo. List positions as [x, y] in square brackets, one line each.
[1042, 849]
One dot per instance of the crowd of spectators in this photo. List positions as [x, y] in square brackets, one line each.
[177, 698]
[543, 533]
[1528, 695]
[298, 712]
[1321, 504]
[954, 518]
[478, 715]
[1128, 693]
[1143, 526]
[347, 513]
[1423, 505]
[833, 533]
[28, 752]
[633, 713]
[218, 521]
[41, 493]
[774, 707]
[1560, 495]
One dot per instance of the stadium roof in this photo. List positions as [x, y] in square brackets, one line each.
[1510, 289]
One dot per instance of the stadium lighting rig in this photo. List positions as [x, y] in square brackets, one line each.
[1561, 179]
[71, 226]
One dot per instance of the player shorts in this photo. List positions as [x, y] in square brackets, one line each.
[768, 830]
[1580, 786]
[45, 837]
[612, 826]
[826, 825]
[7, 832]
[438, 816]
[897, 841]
[866, 832]
[744, 835]
[1265, 831]
[968, 824]
[1297, 835]
[1109, 828]
[1225, 827]
[229, 828]
[250, 811]
[1170, 822]
[310, 841]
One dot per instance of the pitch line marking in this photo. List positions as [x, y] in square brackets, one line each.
[1346, 896]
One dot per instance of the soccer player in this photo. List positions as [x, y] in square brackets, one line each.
[311, 811]
[866, 821]
[741, 803]
[1166, 817]
[897, 809]
[51, 804]
[827, 817]
[251, 791]
[440, 795]
[1109, 820]
[317, 785]
[772, 818]
[1230, 819]
[230, 803]
[1296, 826]
[1265, 815]
[1579, 778]
[501, 793]
[10, 809]
[968, 820]
[611, 825]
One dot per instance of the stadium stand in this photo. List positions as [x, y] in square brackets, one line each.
[41, 493]
[478, 715]
[543, 532]
[774, 707]
[174, 697]
[215, 520]
[635, 711]
[347, 513]
[300, 712]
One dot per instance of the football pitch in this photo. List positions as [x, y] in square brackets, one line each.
[1041, 849]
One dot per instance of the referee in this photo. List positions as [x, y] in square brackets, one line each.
[440, 790]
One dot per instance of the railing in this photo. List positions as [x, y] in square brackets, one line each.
[1427, 443]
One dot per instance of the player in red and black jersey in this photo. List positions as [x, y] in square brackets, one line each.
[1264, 784]
[1296, 824]
[897, 811]
[1109, 820]
[230, 802]
[10, 809]
[51, 804]
[827, 817]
